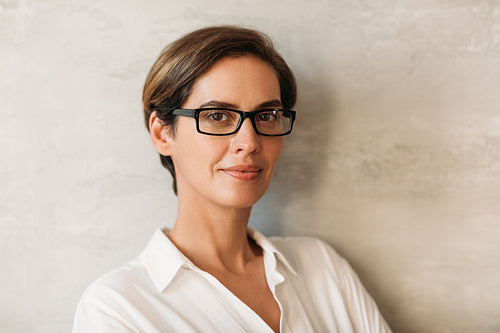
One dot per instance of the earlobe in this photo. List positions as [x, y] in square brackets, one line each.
[159, 135]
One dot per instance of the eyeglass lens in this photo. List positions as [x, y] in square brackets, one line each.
[271, 122]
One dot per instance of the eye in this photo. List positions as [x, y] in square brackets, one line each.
[267, 116]
[217, 116]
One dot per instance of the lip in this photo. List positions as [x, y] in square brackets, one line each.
[243, 172]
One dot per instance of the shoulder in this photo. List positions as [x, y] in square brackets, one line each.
[108, 302]
[330, 278]
[118, 284]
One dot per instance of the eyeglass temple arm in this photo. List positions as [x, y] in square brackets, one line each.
[185, 112]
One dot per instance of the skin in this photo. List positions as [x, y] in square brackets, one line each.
[214, 198]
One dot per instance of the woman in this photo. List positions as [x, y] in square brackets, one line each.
[217, 104]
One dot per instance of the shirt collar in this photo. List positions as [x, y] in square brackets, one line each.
[269, 247]
[163, 259]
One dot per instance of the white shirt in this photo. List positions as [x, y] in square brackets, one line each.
[163, 291]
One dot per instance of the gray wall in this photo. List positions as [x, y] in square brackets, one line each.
[395, 160]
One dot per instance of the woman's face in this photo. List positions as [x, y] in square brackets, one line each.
[233, 170]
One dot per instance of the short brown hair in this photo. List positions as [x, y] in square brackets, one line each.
[181, 63]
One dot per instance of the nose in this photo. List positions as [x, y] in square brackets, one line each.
[246, 140]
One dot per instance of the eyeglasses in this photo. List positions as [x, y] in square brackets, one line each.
[223, 121]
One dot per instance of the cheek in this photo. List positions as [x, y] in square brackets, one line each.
[190, 145]
[273, 149]
[204, 152]
[278, 145]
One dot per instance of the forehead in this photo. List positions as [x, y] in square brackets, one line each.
[245, 80]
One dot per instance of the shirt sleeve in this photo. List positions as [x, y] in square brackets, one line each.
[361, 308]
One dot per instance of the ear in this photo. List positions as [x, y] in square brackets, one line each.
[159, 135]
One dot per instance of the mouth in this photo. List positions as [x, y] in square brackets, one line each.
[243, 172]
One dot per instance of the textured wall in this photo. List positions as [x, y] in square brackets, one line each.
[395, 160]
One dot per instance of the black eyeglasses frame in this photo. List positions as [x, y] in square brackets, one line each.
[194, 113]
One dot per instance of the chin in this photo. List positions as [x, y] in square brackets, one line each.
[241, 200]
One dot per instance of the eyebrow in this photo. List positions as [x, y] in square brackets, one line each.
[275, 103]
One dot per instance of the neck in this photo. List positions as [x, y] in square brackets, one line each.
[213, 237]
